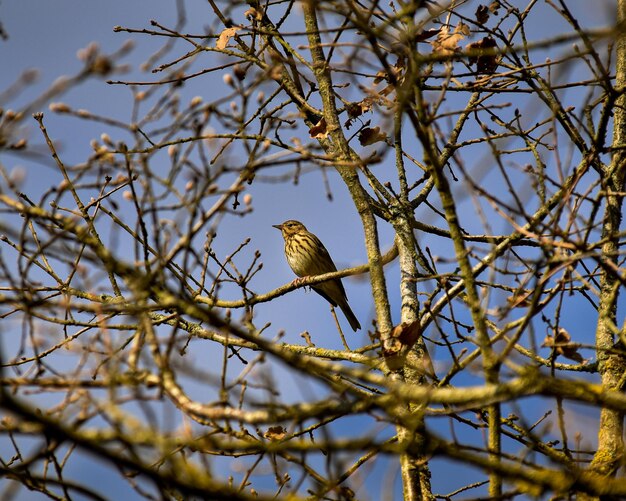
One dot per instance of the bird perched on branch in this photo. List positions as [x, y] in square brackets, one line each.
[307, 256]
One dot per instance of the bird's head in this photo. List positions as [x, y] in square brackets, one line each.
[290, 228]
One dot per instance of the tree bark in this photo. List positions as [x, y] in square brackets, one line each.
[611, 365]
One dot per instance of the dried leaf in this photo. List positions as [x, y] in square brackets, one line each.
[571, 352]
[275, 433]
[253, 13]
[355, 110]
[387, 90]
[562, 336]
[447, 43]
[320, 130]
[380, 76]
[400, 341]
[369, 136]
[391, 351]
[521, 299]
[482, 14]
[494, 6]
[485, 63]
[363, 106]
[562, 345]
[225, 36]
[462, 29]
[396, 70]
[407, 334]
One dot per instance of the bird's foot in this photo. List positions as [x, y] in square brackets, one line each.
[299, 280]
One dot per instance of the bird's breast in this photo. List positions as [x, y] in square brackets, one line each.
[301, 261]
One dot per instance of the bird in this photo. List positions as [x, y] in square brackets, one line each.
[307, 256]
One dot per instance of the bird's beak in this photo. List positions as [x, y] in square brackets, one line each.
[278, 226]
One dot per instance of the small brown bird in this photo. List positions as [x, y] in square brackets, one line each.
[307, 256]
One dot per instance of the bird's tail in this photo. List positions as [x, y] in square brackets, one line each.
[354, 323]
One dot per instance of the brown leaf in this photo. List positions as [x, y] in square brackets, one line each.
[562, 345]
[391, 349]
[395, 70]
[253, 13]
[225, 36]
[571, 352]
[369, 136]
[319, 130]
[380, 76]
[494, 6]
[521, 299]
[387, 90]
[482, 14]
[355, 110]
[562, 336]
[363, 106]
[407, 334]
[463, 29]
[447, 43]
[275, 433]
[401, 339]
[485, 63]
